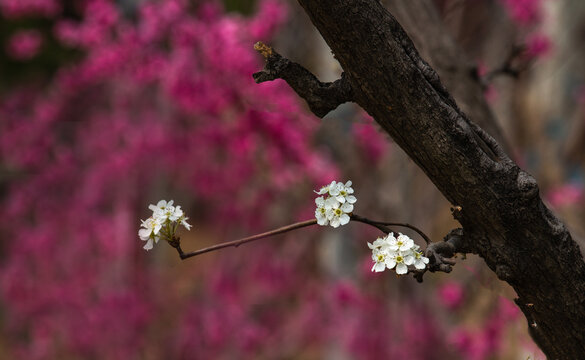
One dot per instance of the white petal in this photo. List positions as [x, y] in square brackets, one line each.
[185, 224]
[419, 265]
[347, 208]
[335, 222]
[401, 269]
[408, 260]
[351, 199]
[334, 188]
[331, 203]
[344, 219]
[378, 267]
[148, 245]
[144, 234]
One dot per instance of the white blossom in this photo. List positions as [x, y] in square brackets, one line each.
[337, 215]
[420, 262]
[396, 253]
[401, 243]
[160, 207]
[321, 212]
[151, 227]
[335, 205]
[401, 261]
[380, 243]
[342, 193]
[380, 257]
[162, 224]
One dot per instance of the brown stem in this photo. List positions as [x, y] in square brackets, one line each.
[236, 243]
[382, 226]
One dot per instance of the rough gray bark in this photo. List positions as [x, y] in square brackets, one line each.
[503, 218]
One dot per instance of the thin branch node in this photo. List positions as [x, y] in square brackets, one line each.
[321, 97]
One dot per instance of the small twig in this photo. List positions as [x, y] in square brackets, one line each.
[382, 226]
[507, 68]
[236, 243]
[441, 254]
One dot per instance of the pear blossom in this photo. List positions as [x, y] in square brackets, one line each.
[420, 261]
[380, 257]
[396, 253]
[342, 193]
[321, 211]
[337, 215]
[335, 205]
[151, 226]
[162, 223]
[400, 260]
[160, 206]
[380, 243]
[401, 243]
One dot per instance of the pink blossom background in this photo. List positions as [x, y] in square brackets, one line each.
[157, 102]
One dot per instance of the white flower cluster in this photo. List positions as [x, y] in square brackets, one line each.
[335, 206]
[162, 224]
[400, 252]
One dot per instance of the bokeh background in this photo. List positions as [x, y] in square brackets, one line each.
[108, 106]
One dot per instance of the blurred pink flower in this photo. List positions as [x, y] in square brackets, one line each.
[24, 45]
[565, 195]
[525, 12]
[538, 45]
[20, 8]
[451, 294]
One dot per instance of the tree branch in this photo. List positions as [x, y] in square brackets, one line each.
[382, 226]
[501, 212]
[235, 243]
[439, 253]
[321, 97]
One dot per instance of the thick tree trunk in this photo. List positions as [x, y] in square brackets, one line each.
[503, 217]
